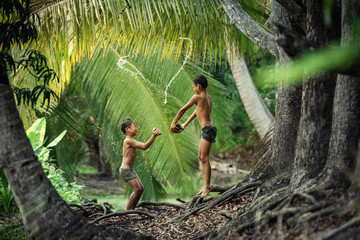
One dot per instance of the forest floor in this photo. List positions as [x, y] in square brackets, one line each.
[225, 168]
[198, 226]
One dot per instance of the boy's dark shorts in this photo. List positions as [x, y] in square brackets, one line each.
[209, 133]
[127, 173]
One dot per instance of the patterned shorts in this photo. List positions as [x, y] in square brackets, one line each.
[127, 173]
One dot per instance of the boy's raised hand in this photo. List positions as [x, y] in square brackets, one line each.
[156, 132]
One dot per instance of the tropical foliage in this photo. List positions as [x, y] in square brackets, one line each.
[68, 191]
[142, 40]
[136, 90]
[7, 202]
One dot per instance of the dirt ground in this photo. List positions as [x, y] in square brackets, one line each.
[227, 168]
[161, 225]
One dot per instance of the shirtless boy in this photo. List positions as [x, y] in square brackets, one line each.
[127, 172]
[203, 103]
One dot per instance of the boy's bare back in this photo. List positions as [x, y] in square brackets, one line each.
[203, 103]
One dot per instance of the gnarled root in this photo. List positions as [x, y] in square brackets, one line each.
[203, 206]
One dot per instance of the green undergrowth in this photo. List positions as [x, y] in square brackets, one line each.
[11, 227]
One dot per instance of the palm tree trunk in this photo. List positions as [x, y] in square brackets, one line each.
[254, 105]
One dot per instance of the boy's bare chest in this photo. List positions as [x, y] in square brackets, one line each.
[129, 150]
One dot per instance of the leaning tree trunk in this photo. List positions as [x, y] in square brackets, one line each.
[254, 105]
[45, 214]
[317, 104]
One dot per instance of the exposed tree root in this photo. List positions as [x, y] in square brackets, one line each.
[283, 210]
[216, 200]
[307, 217]
[227, 214]
[332, 233]
[79, 206]
[197, 200]
[146, 204]
[93, 209]
[123, 213]
[220, 189]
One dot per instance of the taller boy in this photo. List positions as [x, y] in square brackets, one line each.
[203, 103]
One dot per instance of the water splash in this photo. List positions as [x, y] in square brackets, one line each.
[182, 67]
[133, 70]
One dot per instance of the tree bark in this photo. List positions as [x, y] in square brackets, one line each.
[297, 12]
[254, 105]
[345, 131]
[316, 109]
[287, 114]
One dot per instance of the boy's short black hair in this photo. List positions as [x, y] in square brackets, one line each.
[201, 79]
[126, 123]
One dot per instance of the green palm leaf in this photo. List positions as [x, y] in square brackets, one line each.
[121, 94]
[69, 29]
[131, 96]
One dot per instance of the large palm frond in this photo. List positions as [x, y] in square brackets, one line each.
[117, 94]
[69, 28]
[124, 95]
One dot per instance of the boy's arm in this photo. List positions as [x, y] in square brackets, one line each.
[189, 120]
[181, 113]
[156, 132]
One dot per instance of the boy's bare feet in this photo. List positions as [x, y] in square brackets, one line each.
[204, 191]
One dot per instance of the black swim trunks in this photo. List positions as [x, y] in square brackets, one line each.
[209, 133]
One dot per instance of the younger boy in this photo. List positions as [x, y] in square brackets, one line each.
[127, 171]
[203, 103]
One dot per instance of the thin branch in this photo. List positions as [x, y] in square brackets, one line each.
[242, 21]
[104, 208]
[180, 200]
